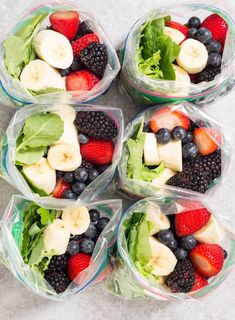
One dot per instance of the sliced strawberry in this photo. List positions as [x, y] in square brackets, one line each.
[166, 118]
[178, 26]
[65, 22]
[60, 188]
[83, 42]
[207, 140]
[207, 259]
[199, 283]
[81, 81]
[188, 222]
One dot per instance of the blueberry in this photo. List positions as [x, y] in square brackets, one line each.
[68, 177]
[93, 174]
[188, 242]
[178, 133]
[73, 247]
[77, 237]
[69, 194]
[189, 151]
[78, 187]
[194, 22]
[214, 60]
[213, 46]
[81, 175]
[188, 137]
[82, 138]
[64, 72]
[172, 245]
[59, 174]
[191, 33]
[180, 254]
[203, 35]
[91, 232]
[225, 254]
[94, 215]
[86, 246]
[165, 236]
[77, 65]
[101, 169]
[163, 136]
[83, 29]
[102, 222]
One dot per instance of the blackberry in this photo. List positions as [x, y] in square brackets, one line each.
[58, 281]
[182, 278]
[95, 58]
[87, 165]
[208, 74]
[96, 124]
[57, 263]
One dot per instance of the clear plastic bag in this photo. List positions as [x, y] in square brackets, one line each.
[128, 283]
[140, 188]
[11, 91]
[9, 171]
[10, 235]
[152, 91]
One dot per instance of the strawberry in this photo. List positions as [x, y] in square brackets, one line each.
[65, 22]
[82, 80]
[169, 119]
[97, 151]
[218, 27]
[190, 221]
[199, 283]
[178, 26]
[76, 264]
[60, 188]
[83, 42]
[207, 140]
[207, 259]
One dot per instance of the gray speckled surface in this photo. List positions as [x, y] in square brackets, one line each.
[17, 303]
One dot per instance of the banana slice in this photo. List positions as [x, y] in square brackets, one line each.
[193, 56]
[181, 76]
[41, 175]
[211, 233]
[54, 48]
[158, 221]
[64, 157]
[38, 75]
[66, 112]
[77, 220]
[171, 154]
[174, 34]
[150, 150]
[56, 237]
[164, 177]
[163, 260]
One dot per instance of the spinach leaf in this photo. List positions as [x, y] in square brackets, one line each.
[29, 155]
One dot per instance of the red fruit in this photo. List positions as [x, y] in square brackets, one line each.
[207, 259]
[81, 81]
[199, 283]
[65, 22]
[60, 187]
[83, 42]
[207, 140]
[76, 264]
[178, 26]
[96, 151]
[218, 27]
[166, 118]
[190, 221]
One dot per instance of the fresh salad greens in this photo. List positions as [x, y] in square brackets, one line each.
[157, 51]
[45, 91]
[18, 48]
[39, 131]
[34, 220]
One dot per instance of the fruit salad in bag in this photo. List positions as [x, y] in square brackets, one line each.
[57, 49]
[174, 147]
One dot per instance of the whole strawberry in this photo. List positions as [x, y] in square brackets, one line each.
[65, 22]
[218, 27]
[97, 151]
[76, 264]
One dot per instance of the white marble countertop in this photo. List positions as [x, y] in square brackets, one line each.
[17, 303]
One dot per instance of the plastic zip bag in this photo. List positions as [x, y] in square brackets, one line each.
[140, 188]
[10, 172]
[128, 283]
[152, 91]
[10, 235]
[11, 91]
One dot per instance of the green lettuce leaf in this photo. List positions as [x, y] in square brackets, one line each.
[29, 155]
[47, 216]
[142, 246]
[150, 174]
[44, 91]
[151, 66]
